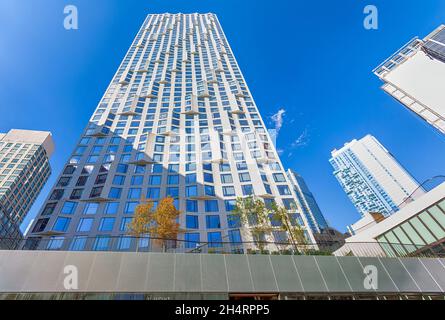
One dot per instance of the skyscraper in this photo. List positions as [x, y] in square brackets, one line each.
[372, 178]
[415, 75]
[24, 170]
[309, 205]
[177, 120]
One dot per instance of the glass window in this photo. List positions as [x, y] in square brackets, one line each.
[233, 221]
[112, 208]
[173, 179]
[78, 244]
[213, 222]
[192, 222]
[115, 193]
[284, 190]
[137, 180]
[226, 178]
[208, 177]
[211, 206]
[85, 225]
[230, 205]
[429, 238]
[101, 244]
[191, 240]
[214, 239]
[155, 180]
[229, 191]
[69, 207]
[192, 205]
[244, 177]
[125, 222]
[191, 191]
[247, 190]
[134, 193]
[153, 193]
[91, 208]
[130, 207]
[173, 192]
[61, 224]
[106, 224]
[190, 178]
[432, 225]
[235, 236]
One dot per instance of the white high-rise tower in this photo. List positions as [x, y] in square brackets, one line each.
[177, 120]
[372, 178]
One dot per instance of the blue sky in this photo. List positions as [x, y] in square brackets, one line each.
[313, 59]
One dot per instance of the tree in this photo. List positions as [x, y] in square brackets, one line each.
[293, 229]
[166, 225]
[143, 218]
[253, 212]
[161, 224]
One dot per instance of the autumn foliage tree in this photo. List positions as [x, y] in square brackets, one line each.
[161, 223]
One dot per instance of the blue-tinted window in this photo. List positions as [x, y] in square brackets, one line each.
[173, 192]
[153, 193]
[191, 191]
[61, 224]
[155, 180]
[208, 177]
[192, 206]
[213, 222]
[125, 222]
[78, 244]
[211, 206]
[214, 239]
[134, 193]
[119, 180]
[69, 207]
[230, 205]
[122, 168]
[157, 168]
[174, 179]
[233, 221]
[137, 180]
[247, 190]
[209, 191]
[192, 222]
[115, 193]
[112, 208]
[192, 240]
[106, 224]
[130, 207]
[284, 190]
[101, 244]
[235, 236]
[85, 225]
[190, 178]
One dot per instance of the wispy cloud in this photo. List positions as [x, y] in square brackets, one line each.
[302, 140]
[277, 119]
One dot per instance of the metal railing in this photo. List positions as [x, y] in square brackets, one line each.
[155, 245]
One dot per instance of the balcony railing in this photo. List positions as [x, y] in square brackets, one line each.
[154, 245]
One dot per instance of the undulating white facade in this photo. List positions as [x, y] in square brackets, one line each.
[372, 178]
[177, 120]
[415, 76]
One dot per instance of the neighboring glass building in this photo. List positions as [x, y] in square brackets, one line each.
[415, 75]
[372, 178]
[177, 120]
[312, 211]
[24, 170]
